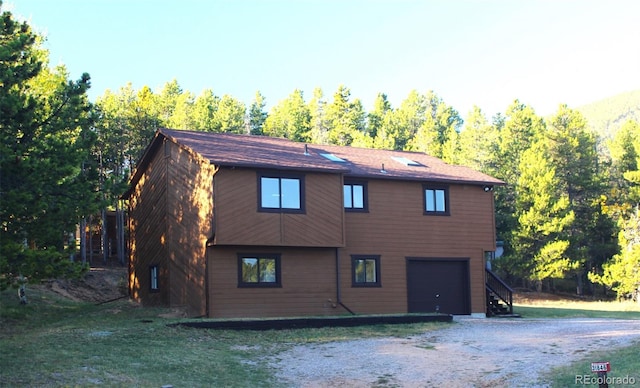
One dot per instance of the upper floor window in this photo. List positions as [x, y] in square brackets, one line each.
[436, 200]
[281, 193]
[258, 270]
[355, 196]
[365, 270]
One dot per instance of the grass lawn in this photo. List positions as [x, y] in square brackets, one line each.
[55, 342]
[625, 362]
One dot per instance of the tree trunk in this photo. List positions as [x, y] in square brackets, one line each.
[580, 286]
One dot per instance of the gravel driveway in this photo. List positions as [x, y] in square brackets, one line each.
[472, 352]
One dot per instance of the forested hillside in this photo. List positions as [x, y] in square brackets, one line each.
[608, 115]
[568, 214]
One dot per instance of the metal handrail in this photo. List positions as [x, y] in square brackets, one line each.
[499, 288]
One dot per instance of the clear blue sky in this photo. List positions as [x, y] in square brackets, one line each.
[484, 53]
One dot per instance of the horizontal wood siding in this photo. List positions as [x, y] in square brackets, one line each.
[189, 224]
[148, 234]
[395, 228]
[307, 277]
[238, 221]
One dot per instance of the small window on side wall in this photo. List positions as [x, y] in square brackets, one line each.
[365, 270]
[436, 200]
[355, 196]
[258, 270]
[154, 279]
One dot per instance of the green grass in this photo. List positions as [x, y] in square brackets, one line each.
[55, 342]
[624, 361]
[624, 364]
[562, 312]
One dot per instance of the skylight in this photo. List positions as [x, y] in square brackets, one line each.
[333, 158]
[405, 161]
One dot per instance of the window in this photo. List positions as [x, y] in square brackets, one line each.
[436, 200]
[153, 278]
[355, 196]
[365, 270]
[405, 161]
[333, 158]
[281, 193]
[258, 270]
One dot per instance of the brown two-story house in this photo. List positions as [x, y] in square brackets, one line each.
[248, 226]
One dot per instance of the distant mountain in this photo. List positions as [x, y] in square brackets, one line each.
[608, 115]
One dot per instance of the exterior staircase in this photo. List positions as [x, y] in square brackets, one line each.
[499, 297]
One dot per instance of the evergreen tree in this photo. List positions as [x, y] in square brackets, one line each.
[572, 149]
[167, 100]
[47, 172]
[478, 143]
[622, 272]
[229, 117]
[318, 126]
[257, 115]
[518, 129]
[346, 119]
[438, 134]
[182, 116]
[204, 111]
[540, 239]
[375, 118]
[289, 119]
[406, 120]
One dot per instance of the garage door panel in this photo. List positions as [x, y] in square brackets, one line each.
[440, 285]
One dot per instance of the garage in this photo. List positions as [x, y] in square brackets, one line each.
[438, 284]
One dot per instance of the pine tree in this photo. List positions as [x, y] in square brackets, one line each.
[289, 119]
[47, 174]
[257, 115]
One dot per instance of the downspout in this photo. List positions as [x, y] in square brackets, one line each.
[338, 292]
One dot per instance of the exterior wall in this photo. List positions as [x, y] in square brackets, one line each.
[238, 221]
[189, 226]
[148, 233]
[396, 228]
[170, 222]
[307, 277]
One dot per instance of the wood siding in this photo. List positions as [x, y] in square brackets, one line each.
[181, 202]
[148, 233]
[189, 226]
[238, 221]
[396, 228]
[171, 217]
[307, 277]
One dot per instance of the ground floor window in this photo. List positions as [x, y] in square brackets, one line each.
[258, 270]
[365, 270]
[153, 277]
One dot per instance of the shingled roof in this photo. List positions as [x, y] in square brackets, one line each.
[263, 152]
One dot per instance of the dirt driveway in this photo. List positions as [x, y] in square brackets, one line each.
[470, 353]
